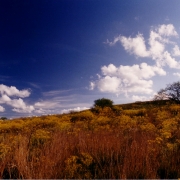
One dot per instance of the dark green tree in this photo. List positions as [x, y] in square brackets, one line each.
[3, 118]
[103, 103]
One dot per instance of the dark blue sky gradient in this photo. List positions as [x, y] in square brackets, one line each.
[49, 45]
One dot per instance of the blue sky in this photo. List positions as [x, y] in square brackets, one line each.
[61, 55]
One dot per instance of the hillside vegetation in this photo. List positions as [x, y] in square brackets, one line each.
[138, 140]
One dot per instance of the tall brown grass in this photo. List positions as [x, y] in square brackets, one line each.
[112, 154]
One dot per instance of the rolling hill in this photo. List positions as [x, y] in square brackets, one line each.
[136, 140]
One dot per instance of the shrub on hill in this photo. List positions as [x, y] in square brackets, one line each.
[82, 116]
[3, 118]
[103, 103]
[105, 107]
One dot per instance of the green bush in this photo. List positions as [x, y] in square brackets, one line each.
[103, 103]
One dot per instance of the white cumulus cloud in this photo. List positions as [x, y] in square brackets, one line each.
[7, 97]
[161, 47]
[167, 30]
[2, 109]
[108, 84]
[156, 47]
[127, 79]
[13, 91]
[135, 45]
[20, 106]
[170, 61]
[176, 51]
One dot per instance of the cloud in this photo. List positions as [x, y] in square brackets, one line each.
[13, 97]
[110, 70]
[2, 109]
[156, 48]
[92, 85]
[35, 85]
[158, 40]
[135, 45]
[52, 105]
[57, 104]
[74, 109]
[170, 61]
[5, 99]
[133, 80]
[116, 39]
[13, 91]
[55, 92]
[48, 104]
[127, 79]
[140, 98]
[176, 74]
[109, 84]
[44, 111]
[18, 105]
[176, 51]
[167, 30]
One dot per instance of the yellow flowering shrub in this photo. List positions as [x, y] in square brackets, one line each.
[148, 127]
[135, 112]
[82, 116]
[127, 123]
[79, 167]
[40, 137]
[174, 109]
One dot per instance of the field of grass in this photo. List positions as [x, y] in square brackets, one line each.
[138, 140]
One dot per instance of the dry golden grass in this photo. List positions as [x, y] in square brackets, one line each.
[138, 143]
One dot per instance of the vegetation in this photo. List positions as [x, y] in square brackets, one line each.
[103, 103]
[3, 118]
[171, 92]
[134, 141]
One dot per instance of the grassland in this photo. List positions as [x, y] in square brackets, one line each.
[138, 140]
